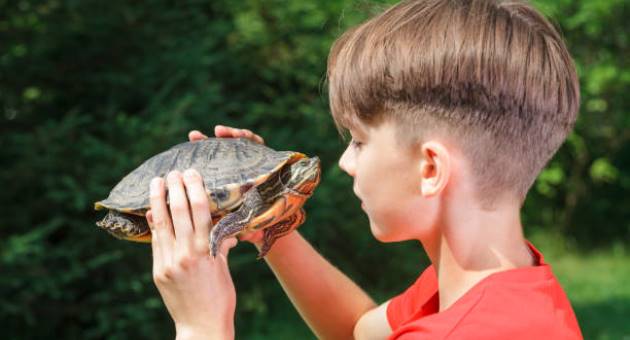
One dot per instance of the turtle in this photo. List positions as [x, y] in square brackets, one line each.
[249, 185]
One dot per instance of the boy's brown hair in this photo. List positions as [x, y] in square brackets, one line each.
[494, 76]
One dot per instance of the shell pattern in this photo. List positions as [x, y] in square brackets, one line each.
[225, 164]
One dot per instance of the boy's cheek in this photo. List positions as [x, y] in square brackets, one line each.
[383, 224]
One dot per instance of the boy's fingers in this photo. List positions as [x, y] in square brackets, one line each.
[180, 212]
[200, 209]
[252, 237]
[155, 245]
[226, 245]
[162, 228]
[252, 136]
[223, 131]
[195, 135]
[227, 131]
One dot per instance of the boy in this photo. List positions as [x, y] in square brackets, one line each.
[454, 107]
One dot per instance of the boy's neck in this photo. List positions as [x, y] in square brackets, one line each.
[470, 246]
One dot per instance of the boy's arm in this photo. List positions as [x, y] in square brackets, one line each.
[373, 324]
[330, 303]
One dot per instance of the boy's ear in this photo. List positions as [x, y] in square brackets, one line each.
[435, 168]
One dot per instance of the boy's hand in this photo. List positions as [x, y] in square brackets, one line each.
[227, 132]
[230, 132]
[196, 288]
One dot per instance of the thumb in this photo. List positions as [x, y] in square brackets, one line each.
[226, 245]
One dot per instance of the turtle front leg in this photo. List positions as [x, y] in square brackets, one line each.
[233, 223]
[274, 232]
[126, 226]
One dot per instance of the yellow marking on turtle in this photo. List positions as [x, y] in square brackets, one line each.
[144, 238]
[281, 209]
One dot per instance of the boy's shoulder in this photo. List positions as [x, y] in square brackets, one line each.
[520, 303]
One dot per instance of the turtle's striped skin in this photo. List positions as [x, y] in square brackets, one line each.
[249, 186]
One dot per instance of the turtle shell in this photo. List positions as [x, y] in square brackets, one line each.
[228, 166]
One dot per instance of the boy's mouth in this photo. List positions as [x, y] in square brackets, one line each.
[354, 189]
[360, 200]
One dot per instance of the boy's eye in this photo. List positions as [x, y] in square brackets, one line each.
[356, 144]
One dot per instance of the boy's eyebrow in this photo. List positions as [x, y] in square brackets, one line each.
[354, 131]
[353, 124]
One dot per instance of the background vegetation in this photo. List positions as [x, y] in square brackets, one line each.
[89, 89]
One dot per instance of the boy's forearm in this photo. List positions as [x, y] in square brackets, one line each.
[327, 300]
[203, 334]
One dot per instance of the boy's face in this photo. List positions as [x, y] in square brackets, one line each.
[387, 181]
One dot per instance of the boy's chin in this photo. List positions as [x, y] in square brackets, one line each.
[381, 233]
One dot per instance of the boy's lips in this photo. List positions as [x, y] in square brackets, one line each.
[356, 193]
[359, 197]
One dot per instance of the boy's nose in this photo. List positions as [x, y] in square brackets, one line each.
[346, 162]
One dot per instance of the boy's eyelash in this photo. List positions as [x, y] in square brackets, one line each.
[356, 144]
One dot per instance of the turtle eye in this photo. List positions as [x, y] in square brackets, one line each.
[219, 195]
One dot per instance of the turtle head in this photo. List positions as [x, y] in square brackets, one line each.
[305, 175]
[126, 226]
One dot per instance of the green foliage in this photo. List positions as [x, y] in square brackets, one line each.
[89, 89]
[584, 191]
[596, 283]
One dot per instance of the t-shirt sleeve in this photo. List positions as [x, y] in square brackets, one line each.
[409, 303]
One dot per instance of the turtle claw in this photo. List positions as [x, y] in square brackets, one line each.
[235, 222]
[227, 227]
[266, 246]
[214, 247]
[274, 232]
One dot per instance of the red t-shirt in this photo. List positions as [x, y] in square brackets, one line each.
[522, 303]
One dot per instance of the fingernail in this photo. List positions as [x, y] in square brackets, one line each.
[155, 183]
[172, 175]
[190, 173]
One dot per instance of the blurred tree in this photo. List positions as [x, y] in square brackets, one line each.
[583, 193]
